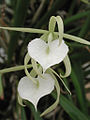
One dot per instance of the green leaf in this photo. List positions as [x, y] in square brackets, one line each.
[1, 88]
[23, 114]
[85, 27]
[19, 18]
[35, 113]
[57, 4]
[76, 17]
[78, 82]
[71, 109]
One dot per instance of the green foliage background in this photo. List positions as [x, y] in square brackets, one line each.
[36, 14]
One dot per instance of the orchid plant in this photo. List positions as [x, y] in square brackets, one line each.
[44, 52]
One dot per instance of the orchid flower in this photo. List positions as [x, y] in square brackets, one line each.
[50, 51]
[32, 92]
[47, 54]
[44, 52]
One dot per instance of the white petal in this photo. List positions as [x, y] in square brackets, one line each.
[29, 91]
[37, 50]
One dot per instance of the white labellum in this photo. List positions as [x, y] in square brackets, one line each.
[31, 92]
[46, 54]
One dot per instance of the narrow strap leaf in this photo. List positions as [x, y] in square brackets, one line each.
[61, 80]
[1, 88]
[26, 60]
[33, 73]
[67, 66]
[45, 37]
[52, 107]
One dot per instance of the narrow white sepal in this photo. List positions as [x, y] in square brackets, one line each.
[37, 49]
[31, 92]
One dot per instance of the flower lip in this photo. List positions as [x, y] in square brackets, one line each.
[37, 51]
[29, 91]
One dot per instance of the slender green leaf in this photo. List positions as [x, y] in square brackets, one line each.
[19, 17]
[23, 114]
[1, 88]
[83, 55]
[78, 82]
[85, 27]
[55, 6]
[71, 109]
[76, 17]
[35, 113]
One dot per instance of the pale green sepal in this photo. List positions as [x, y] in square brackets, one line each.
[52, 107]
[76, 39]
[16, 68]
[45, 37]
[34, 64]
[60, 28]
[32, 30]
[67, 66]
[20, 101]
[50, 37]
[33, 73]
[55, 36]
[52, 24]
[28, 30]
[26, 60]
[60, 79]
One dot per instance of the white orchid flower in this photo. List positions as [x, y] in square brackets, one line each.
[48, 50]
[46, 54]
[32, 92]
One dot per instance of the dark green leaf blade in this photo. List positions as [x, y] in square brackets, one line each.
[1, 88]
[71, 109]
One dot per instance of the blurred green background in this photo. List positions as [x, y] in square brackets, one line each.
[13, 47]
